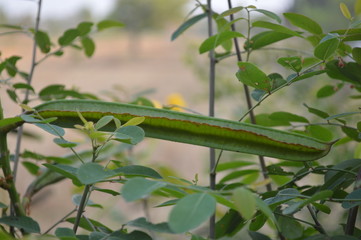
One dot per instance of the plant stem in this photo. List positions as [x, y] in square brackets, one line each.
[212, 153]
[60, 221]
[27, 92]
[81, 207]
[246, 91]
[8, 175]
[352, 214]
[317, 225]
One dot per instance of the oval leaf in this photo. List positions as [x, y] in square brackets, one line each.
[345, 12]
[327, 47]
[303, 22]
[21, 222]
[216, 40]
[191, 211]
[269, 14]
[187, 24]
[244, 202]
[276, 27]
[251, 75]
[43, 41]
[90, 173]
[138, 188]
[108, 24]
[352, 196]
[88, 45]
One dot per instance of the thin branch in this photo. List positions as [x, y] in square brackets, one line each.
[317, 225]
[60, 221]
[212, 153]
[27, 92]
[352, 214]
[279, 88]
[247, 92]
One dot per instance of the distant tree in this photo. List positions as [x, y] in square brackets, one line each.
[140, 15]
[146, 15]
[321, 10]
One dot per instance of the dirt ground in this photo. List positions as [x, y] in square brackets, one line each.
[158, 64]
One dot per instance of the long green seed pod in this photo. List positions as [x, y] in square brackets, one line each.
[193, 129]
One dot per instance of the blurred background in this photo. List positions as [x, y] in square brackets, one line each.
[140, 60]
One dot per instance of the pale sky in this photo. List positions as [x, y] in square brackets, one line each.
[64, 8]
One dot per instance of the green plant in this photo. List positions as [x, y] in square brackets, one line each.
[291, 208]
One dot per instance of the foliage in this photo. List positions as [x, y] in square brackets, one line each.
[292, 206]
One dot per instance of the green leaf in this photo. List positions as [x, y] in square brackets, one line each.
[26, 223]
[317, 112]
[326, 91]
[303, 22]
[108, 24]
[107, 191]
[347, 203]
[84, 28]
[276, 28]
[352, 133]
[129, 134]
[265, 38]
[229, 224]
[230, 12]
[232, 165]
[88, 45]
[187, 24]
[293, 63]
[341, 115]
[244, 202]
[320, 132]
[251, 75]
[348, 72]
[282, 196]
[191, 211]
[89, 224]
[23, 86]
[143, 223]
[90, 173]
[10, 65]
[138, 188]
[43, 41]
[286, 116]
[51, 91]
[137, 171]
[65, 234]
[64, 143]
[290, 228]
[31, 167]
[264, 208]
[356, 54]
[103, 121]
[327, 46]
[52, 129]
[217, 39]
[35, 119]
[258, 236]
[134, 121]
[68, 37]
[12, 95]
[345, 12]
[357, 7]
[64, 170]
[268, 14]
[76, 199]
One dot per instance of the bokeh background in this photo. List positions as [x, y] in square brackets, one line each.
[138, 60]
